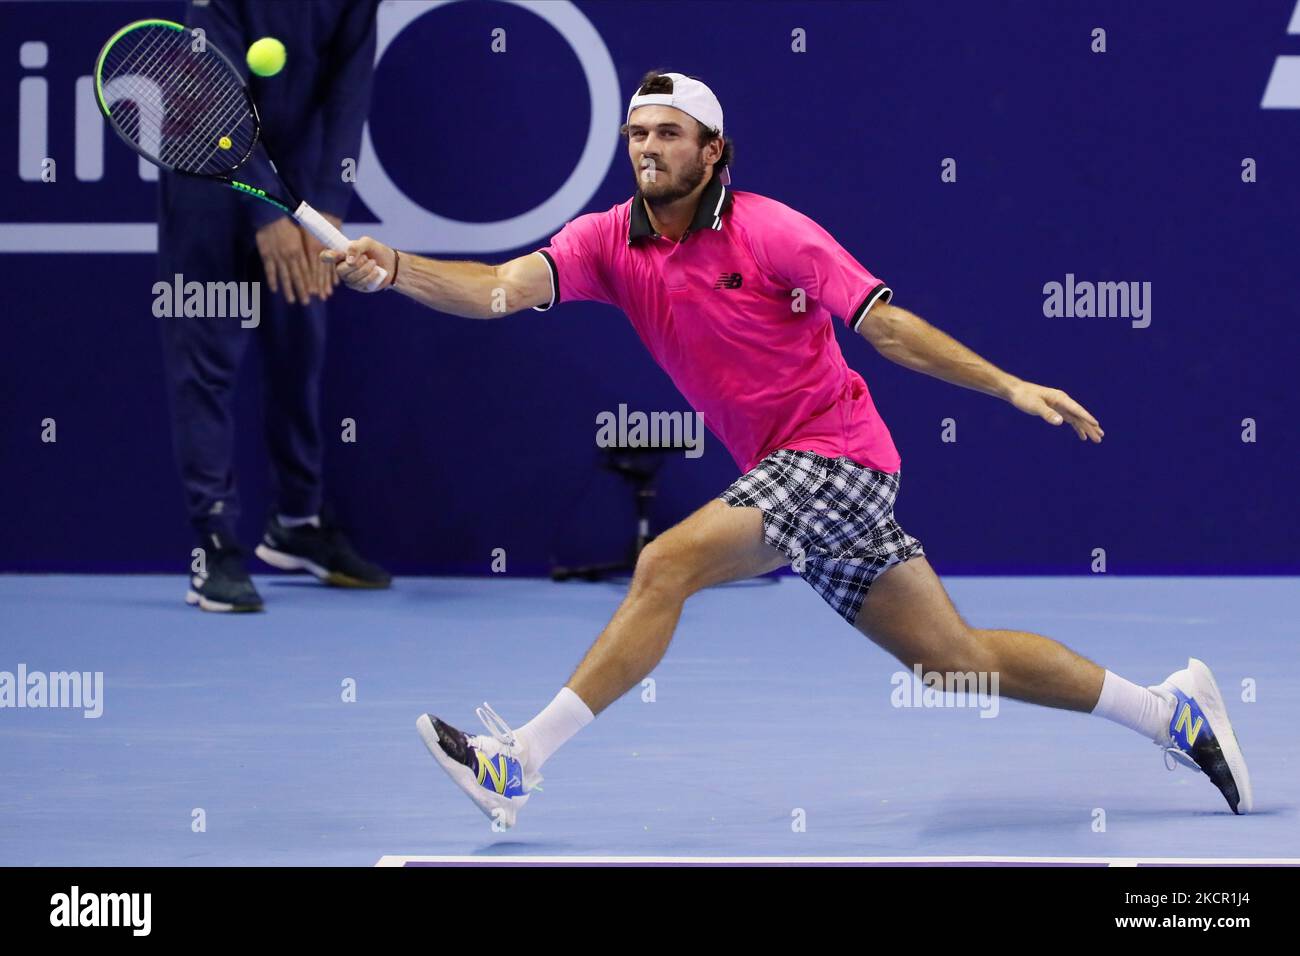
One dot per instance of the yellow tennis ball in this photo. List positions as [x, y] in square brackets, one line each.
[266, 56]
[224, 142]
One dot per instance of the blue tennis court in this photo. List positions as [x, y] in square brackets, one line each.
[772, 731]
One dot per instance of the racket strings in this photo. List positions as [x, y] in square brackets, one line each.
[188, 110]
[131, 87]
[128, 77]
[178, 126]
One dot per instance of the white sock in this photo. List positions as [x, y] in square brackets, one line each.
[551, 729]
[287, 522]
[1137, 708]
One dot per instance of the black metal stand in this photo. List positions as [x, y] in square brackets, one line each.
[638, 467]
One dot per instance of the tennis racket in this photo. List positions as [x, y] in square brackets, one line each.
[189, 111]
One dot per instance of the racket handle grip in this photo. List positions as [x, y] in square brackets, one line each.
[327, 235]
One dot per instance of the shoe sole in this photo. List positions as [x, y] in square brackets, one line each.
[292, 562]
[494, 807]
[194, 598]
[1216, 713]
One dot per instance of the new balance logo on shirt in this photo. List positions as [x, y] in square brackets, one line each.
[728, 280]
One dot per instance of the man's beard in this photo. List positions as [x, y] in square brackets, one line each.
[687, 181]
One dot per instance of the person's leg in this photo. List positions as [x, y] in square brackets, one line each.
[875, 575]
[301, 535]
[715, 544]
[293, 353]
[908, 613]
[202, 363]
[742, 533]
[201, 354]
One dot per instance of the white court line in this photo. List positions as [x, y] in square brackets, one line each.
[390, 860]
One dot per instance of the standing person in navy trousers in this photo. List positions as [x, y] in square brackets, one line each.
[312, 114]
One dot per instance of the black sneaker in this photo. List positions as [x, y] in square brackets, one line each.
[224, 585]
[323, 551]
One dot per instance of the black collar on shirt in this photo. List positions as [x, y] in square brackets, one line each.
[715, 202]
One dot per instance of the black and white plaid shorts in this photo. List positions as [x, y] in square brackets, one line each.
[832, 517]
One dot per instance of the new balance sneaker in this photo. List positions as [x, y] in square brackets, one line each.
[323, 551]
[490, 769]
[1200, 735]
[224, 584]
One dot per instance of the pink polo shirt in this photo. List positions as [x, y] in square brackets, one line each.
[718, 311]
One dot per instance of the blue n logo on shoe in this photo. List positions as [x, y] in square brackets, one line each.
[1188, 722]
[505, 773]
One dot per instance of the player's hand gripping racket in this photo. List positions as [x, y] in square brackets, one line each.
[188, 110]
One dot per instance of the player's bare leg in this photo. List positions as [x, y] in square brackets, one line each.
[715, 544]
[908, 613]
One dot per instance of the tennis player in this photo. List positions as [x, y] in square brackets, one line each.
[712, 281]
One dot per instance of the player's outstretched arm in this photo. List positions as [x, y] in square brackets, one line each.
[910, 341]
[474, 290]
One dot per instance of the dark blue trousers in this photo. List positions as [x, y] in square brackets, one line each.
[205, 234]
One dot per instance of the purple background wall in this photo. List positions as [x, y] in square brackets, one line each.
[1122, 166]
